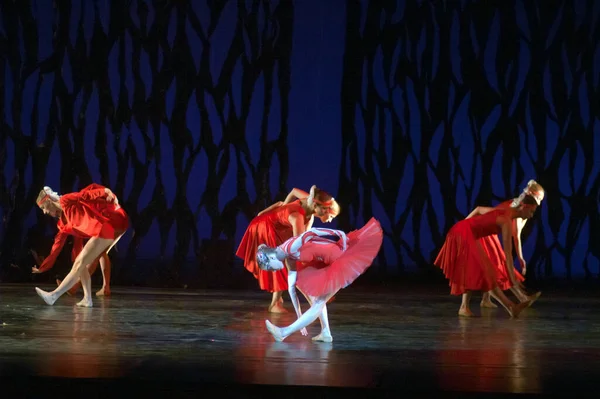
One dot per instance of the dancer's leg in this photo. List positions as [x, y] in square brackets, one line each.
[325, 334]
[512, 308]
[307, 317]
[73, 290]
[276, 305]
[486, 301]
[92, 250]
[523, 297]
[105, 265]
[86, 283]
[464, 309]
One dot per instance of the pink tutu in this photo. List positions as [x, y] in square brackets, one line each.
[318, 278]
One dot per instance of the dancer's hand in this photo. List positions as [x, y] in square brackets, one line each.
[35, 270]
[523, 266]
[111, 197]
[304, 332]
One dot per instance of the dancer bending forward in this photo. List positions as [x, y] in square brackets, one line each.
[465, 262]
[92, 213]
[320, 262]
[272, 228]
[493, 248]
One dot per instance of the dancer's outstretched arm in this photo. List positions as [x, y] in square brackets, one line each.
[295, 194]
[48, 263]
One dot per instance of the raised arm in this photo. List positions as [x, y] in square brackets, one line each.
[480, 210]
[295, 194]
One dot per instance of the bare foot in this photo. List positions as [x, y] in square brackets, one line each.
[534, 297]
[277, 308]
[84, 303]
[465, 312]
[325, 336]
[47, 297]
[516, 309]
[103, 292]
[275, 331]
[488, 304]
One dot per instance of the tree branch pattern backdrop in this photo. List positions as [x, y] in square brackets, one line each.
[184, 110]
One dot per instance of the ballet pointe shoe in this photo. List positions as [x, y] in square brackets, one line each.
[324, 336]
[104, 291]
[275, 331]
[46, 296]
[85, 303]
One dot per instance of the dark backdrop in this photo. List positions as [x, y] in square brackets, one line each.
[200, 114]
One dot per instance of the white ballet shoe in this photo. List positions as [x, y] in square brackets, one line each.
[275, 331]
[46, 296]
[325, 336]
[85, 303]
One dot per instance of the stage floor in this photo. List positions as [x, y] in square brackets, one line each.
[405, 341]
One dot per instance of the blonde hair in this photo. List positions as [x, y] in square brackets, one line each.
[533, 190]
[47, 191]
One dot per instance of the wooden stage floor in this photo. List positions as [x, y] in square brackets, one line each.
[405, 342]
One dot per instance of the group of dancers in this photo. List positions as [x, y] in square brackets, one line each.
[285, 253]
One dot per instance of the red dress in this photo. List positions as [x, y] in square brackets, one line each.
[86, 214]
[491, 245]
[463, 258]
[324, 266]
[271, 228]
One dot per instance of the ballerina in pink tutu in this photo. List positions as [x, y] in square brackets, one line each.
[320, 262]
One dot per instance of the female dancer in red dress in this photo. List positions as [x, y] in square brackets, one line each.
[320, 266]
[295, 194]
[274, 227]
[466, 264]
[88, 214]
[491, 245]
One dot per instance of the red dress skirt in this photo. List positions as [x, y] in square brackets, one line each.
[463, 258]
[271, 228]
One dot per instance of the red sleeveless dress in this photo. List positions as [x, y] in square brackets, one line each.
[86, 214]
[491, 245]
[324, 267]
[271, 228]
[463, 259]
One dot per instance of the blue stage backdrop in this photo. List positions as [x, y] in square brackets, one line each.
[198, 114]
